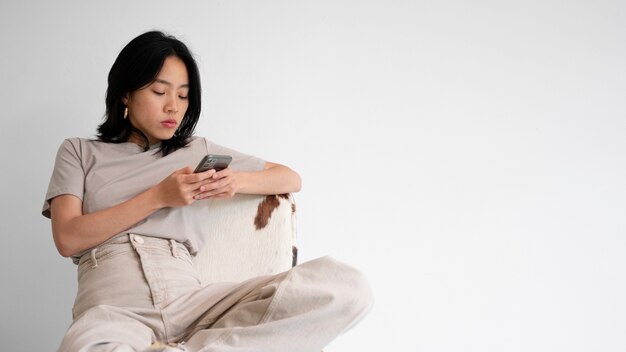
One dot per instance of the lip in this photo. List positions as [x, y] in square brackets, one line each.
[169, 123]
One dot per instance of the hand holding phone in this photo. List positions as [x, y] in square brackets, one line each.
[213, 161]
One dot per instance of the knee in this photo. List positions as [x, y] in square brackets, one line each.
[353, 293]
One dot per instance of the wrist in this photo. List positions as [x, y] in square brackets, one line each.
[153, 198]
[242, 182]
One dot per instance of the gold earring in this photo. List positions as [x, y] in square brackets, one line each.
[126, 112]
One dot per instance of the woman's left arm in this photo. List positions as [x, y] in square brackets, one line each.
[273, 179]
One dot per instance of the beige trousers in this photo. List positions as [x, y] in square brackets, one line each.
[137, 290]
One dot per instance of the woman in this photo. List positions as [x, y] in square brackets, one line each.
[130, 211]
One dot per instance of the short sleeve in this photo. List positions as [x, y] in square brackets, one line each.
[68, 176]
[241, 162]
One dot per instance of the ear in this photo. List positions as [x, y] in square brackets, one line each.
[126, 99]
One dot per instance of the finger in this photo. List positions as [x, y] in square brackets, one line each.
[221, 183]
[208, 187]
[226, 194]
[222, 173]
[199, 177]
[213, 192]
[208, 194]
[208, 173]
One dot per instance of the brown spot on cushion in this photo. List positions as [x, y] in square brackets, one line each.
[265, 209]
[294, 257]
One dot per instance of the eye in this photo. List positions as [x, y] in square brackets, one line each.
[158, 93]
[184, 98]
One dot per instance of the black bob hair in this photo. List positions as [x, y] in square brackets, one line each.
[138, 65]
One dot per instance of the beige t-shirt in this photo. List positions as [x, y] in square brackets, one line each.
[106, 174]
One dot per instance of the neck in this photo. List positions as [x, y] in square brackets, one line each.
[141, 141]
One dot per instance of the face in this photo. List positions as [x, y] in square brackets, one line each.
[158, 108]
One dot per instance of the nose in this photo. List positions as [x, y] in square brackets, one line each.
[172, 105]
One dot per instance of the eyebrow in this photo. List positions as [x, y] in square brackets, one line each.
[186, 85]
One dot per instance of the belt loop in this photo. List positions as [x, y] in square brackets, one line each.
[94, 261]
[174, 248]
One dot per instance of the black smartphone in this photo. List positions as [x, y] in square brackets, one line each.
[213, 161]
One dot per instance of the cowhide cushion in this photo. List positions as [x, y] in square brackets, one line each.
[250, 235]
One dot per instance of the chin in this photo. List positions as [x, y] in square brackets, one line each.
[166, 137]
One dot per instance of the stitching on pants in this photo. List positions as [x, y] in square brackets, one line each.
[166, 330]
[279, 293]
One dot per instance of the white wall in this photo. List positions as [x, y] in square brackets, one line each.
[468, 156]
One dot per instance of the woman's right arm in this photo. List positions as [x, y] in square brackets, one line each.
[75, 232]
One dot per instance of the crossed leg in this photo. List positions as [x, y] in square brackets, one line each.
[302, 309]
